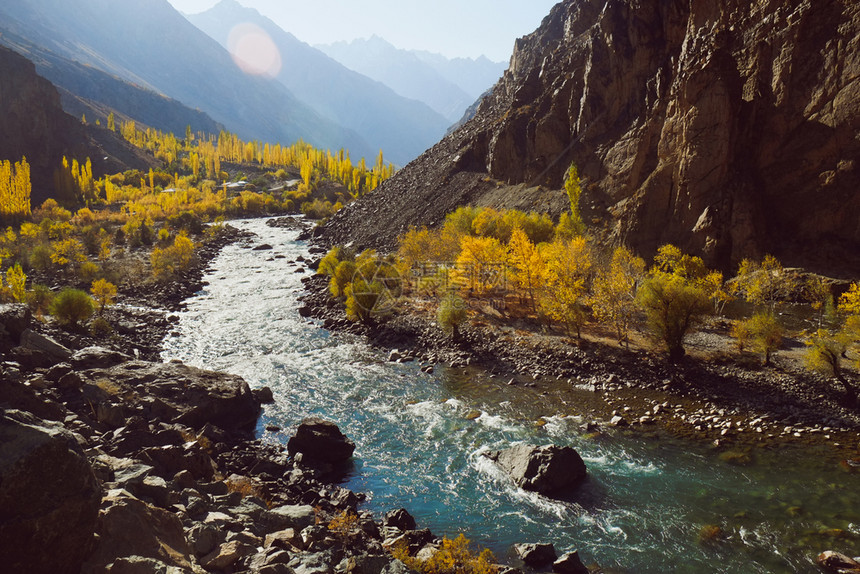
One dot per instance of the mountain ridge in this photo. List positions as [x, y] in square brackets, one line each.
[694, 124]
[401, 127]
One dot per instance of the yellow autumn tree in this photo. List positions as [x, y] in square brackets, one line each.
[15, 188]
[569, 266]
[527, 265]
[104, 293]
[613, 296]
[480, 266]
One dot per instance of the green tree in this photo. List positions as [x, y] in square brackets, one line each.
[572, 186]
[672, 305]
[451, 314]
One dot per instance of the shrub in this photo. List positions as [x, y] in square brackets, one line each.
[17, 281]
[100, 328]
[72, 306]
[453, 557]
[451, 314]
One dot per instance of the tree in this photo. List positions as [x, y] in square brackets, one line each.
[527, 264]
[17, 281]
[824, 354]
[481, 263]
[614, 292]
[764, 284]
[672, 305]
[849, 302]
[451, 314]
[574, 190]
[569, 265]
[104, 292]
[762, 331]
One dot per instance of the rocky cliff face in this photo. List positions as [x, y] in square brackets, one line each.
[32, 120]
[729, 128]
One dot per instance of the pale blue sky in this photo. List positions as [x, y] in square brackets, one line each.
[454, 28]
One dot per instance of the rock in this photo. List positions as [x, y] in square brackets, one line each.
[204, 538]
[46, 347]
[264, 395]
[547, 469]
[838, 563]
[394, 356]
[130, 527]
[287, 539]
[536, 555]
[263, 247]
[49, 497]
[97, 358]
[181, 394]
[169, 460]
[288, 516]
[320, 440]
[569, 564]
[399, 519]
[227, 555]
[618, 421]
[141, 565]
[14, 320]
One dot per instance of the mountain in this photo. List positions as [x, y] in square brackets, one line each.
[447, 86]
[402, 127]
[149, 43]
[87, 90]
[34, 125]
[731, 130]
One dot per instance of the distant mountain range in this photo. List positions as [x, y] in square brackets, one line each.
[400, 126]
[448, 86]
[145, 61]
[149, 43]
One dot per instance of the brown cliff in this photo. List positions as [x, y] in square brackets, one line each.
[33, 124]
[730, 128]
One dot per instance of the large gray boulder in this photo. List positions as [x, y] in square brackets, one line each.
[177, 393]
[130, 528]
[547, 469]
[49, 497]
[320, 440]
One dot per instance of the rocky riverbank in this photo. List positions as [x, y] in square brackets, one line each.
[724, 403]
[111, 461]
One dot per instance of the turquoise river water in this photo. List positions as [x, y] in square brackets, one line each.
[642, 510]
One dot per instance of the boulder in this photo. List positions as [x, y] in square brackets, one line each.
[129, 527]
[399, 519]
[14, 320]
[47, 348]
[547, 469]
[320, 440]
[569, 564]
[838, 563]
[181, 394]
[49, 497]
[536, 555]
[227, 555]
[97, 358]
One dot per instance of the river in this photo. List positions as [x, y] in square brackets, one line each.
[649, 500]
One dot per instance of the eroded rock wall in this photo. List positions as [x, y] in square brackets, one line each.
[730, 128]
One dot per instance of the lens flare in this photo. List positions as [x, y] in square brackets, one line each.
[254, 51]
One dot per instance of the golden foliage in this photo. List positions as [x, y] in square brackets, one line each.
[453, 557]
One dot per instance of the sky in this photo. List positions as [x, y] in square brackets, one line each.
[453, 28]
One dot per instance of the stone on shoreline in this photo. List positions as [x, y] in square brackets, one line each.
[536, 555]
[181, 394]
[49, 497]
[838, 563]
[569, 564]
[547, 469]
[322, 441]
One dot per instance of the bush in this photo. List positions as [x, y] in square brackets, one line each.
[453, 557]
[171, 260]
[72, 306]
[101, 328]
[451, 314]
